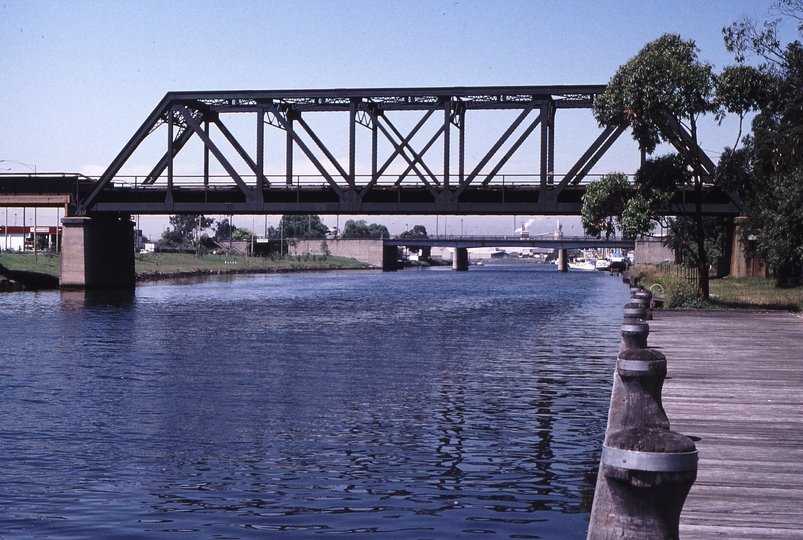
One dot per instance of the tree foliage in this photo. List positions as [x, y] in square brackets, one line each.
[418, 231]
[662, 90]
[665, 80]
[360, 229]
[185, 229]
[241, 233]
[746, 37]
[768, 172]
[299, 226]
[614, 203]
[224, 230]
[604, 202]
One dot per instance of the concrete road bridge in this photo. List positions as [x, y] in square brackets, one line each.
[461, 245]
[553, 240]
[412, 141]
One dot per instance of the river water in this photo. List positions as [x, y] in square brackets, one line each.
[414, 404]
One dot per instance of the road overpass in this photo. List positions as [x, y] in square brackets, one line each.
[554, 241]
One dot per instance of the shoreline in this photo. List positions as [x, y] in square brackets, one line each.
[23, 273]
[157, 275]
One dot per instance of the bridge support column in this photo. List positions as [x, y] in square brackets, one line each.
[97, 253]
[460, 259]
[563, 261]
[741, 265]
[426, 254]
[390, 258]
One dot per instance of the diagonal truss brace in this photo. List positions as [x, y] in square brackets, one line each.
[490, 154]
[284, 122]
[591, 156]
[250, 194]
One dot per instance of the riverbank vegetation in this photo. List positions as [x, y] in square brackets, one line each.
[726, 293]
[49, 264]
[153, 266]
[660, 94]
[150, 266]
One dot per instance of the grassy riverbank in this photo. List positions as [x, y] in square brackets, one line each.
[25, 262]
[153, 266]
[726, 293]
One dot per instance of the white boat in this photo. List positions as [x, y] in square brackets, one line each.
[618, 262]
[582, 265]
[603, 265]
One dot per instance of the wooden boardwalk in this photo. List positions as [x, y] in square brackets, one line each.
[735, 380]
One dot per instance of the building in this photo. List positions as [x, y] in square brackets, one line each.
[19, 238]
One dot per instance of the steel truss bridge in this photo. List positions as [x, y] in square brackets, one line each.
[412, 135]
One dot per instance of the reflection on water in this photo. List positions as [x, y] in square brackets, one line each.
[412, 404]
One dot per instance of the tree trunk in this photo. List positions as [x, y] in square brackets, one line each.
[702, 259]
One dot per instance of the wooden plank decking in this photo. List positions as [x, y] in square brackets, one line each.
[735, 380]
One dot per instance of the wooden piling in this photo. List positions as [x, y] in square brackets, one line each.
[649, 473]
[646, 471]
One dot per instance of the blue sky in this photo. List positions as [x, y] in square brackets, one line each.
[77, 78]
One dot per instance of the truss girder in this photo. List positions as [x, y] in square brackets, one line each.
[192, 114]
[187, 115]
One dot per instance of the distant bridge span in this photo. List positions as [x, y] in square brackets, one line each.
[552, 241]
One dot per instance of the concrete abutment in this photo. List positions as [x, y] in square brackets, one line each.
[97, 253]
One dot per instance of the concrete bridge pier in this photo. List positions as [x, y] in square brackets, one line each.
[390, 258]
[426, 253]
[97, 252]
[460, 259]
[563, 261]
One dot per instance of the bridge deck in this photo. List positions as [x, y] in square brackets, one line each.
[737, 383]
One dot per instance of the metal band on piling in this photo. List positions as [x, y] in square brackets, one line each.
[649, 461]
[640, 367]
[635, 328]
[635, 311]
[641, 363]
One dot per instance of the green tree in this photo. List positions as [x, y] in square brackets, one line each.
[224, 230]
[242, 234]
[613, 203]
[360, 229]
[604, 202]
[663, 89]
[185, 229]
[418, 231]
[299, 226]
[768, 172]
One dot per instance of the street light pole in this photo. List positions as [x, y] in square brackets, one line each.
[32, 167]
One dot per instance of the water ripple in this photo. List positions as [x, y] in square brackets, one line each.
[408, 404]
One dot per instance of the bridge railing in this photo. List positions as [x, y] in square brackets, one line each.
[508, 237]
[313, 181]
